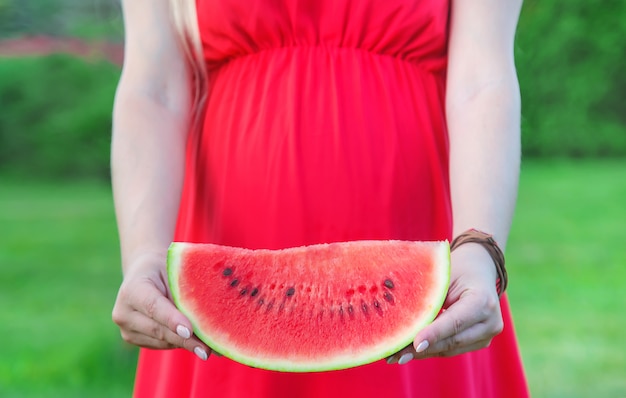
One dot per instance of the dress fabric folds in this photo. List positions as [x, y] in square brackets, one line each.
[324, 121]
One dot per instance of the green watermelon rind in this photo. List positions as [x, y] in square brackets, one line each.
[387, 347]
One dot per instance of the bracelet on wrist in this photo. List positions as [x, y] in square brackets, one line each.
[486, 241]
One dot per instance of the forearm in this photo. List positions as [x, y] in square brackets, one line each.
[484, 130]
[483, 115]
[147, 174]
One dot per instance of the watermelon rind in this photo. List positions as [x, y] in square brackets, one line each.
[384, 349]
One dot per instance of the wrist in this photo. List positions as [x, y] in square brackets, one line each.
[145, 258]
[472, 241]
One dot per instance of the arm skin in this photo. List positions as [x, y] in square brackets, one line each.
[150, 121]
[483, 114]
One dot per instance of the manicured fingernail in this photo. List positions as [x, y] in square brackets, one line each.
[183, 332]
[200, 353]
[421, 347]
[406, 358]
[390, 360]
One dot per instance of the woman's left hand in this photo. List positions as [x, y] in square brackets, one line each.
[471, 317]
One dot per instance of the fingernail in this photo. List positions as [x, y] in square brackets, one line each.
[406, 358]
[200, 353]
[421, 347]
[183, 332]
[390, 360]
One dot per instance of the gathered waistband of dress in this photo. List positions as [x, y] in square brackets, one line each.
[430, 64]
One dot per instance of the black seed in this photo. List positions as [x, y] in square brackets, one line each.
[244, 291]
[254, 292]
[291, 291]
[364, 307]
[270, 305]
[341, 310]
[227, 272]
[350, 309]
[234, 283]
[388, 283]
[376, 304]
[388, 297]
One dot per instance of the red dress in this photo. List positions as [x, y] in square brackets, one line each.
[324, 122]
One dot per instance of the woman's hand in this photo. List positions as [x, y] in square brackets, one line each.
[471, 316]
[145, 314]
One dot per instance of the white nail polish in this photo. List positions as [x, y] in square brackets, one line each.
[200, 353]
[421, 347]
[406, 358]
[183, 332]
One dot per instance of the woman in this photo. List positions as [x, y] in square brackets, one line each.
[313, 121]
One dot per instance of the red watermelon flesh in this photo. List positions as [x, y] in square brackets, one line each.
[311, 308]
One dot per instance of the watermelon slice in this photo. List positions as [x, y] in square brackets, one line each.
[313, 308]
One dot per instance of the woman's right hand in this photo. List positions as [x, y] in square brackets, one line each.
[146, 315]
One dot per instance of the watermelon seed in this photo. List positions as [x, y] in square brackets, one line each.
[244, 291]
[261, 301]
[389, 283]
[227, 272]
[350, 309]
[364, 307]
[291, 291]
[254, 292]
[377, 307]
[388, 297]
[270, 305]
[234, 283]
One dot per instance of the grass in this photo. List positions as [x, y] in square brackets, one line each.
[59, 273]
[567, 262]
[58, 278]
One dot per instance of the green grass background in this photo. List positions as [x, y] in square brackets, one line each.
[567, 261]
[59, 273]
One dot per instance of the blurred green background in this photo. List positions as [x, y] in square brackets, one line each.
[59, 259]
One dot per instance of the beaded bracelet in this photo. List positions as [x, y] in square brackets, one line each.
[486, 241]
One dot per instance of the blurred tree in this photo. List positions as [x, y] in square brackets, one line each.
[571, 60]
[85, 18]
[55, 117]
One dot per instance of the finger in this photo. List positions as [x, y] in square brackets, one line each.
[462, 350]
[145, 341]
[468, 311]
[150, 342]
[149, 301]
[141, 329]
[403, 356]
[473, 338]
